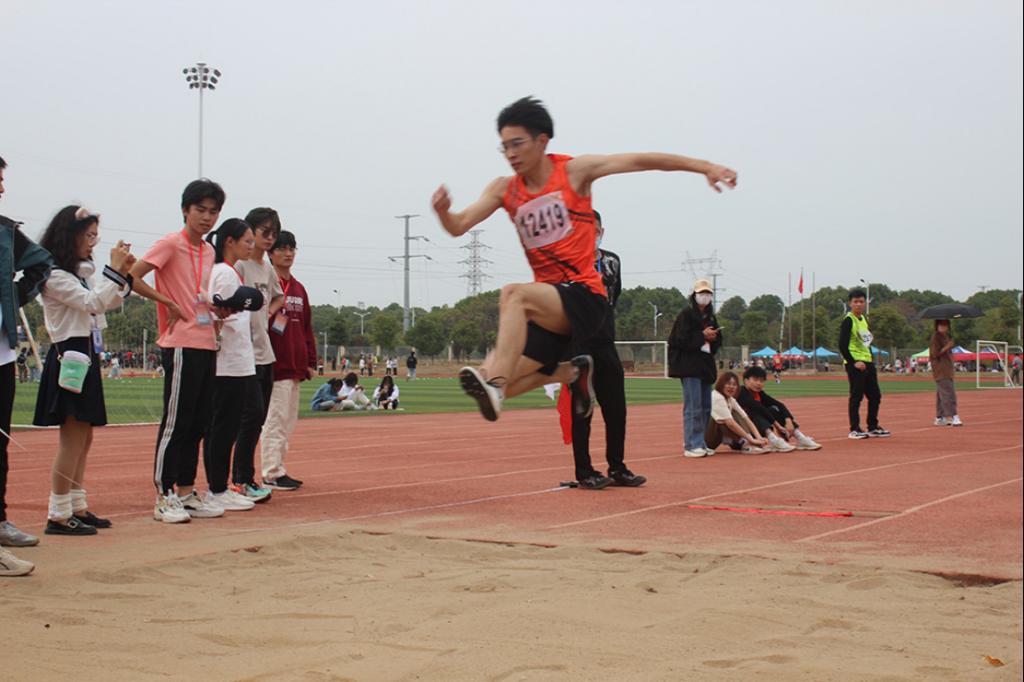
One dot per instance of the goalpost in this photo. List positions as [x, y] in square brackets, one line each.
[1001, 350]
[643, 358]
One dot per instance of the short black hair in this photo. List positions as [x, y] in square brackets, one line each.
[528, 112]
[3, 164]
[597, 217]
[61, 237]
[200, 189]
[755, 372]
[351, 379]
[284, 238]
[258, 216]
[856, 292]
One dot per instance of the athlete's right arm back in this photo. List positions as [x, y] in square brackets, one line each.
[458, 224]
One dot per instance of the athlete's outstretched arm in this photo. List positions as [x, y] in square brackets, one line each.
[583, 170]
[457, 224]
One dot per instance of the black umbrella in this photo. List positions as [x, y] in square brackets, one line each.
[949, 311]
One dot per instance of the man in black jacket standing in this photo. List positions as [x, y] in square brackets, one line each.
[692, 345]
[609, 387]
[17, 252]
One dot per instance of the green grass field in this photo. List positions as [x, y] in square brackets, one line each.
[139, 400]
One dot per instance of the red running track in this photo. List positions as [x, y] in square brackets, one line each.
[938, 499]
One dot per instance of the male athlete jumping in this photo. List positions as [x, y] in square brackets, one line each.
[548, 199]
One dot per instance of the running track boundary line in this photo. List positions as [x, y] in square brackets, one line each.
[781, 484]
[909, 511]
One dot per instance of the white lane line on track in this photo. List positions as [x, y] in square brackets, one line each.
[909, 511]
[781, 484]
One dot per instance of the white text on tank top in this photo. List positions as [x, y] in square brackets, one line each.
[543, 221]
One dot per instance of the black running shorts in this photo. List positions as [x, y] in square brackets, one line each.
[586, 312]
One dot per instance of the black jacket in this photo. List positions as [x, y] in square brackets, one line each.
[685, 357]
[761, 408]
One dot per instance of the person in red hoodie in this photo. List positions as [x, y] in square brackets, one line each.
[291, 336]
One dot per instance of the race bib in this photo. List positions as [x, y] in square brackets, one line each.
[543, 221]
[866, 337]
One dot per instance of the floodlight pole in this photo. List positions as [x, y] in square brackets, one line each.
[201, 77]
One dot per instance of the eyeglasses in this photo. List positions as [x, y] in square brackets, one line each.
[512, 145]
[92, 237]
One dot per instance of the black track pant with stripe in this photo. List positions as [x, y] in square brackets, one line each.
[610, 390]
[188, 398]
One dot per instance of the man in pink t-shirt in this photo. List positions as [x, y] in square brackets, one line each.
[182, 262]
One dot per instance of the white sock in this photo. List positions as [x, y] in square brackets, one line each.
[59, 507]
[78, 504]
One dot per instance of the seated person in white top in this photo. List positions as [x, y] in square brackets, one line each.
[73, 307]
[386, 394]
[729, 423]
[352, 395]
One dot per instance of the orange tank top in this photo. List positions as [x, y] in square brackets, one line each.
[556, 228]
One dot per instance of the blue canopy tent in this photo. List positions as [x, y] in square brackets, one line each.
[795, 352]
[875, 350]
[823, 352]
[765, 352]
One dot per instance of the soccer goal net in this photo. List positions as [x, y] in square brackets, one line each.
[643, 358]
[993, 360]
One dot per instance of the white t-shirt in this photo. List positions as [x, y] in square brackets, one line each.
[235, 357]
[722, 407]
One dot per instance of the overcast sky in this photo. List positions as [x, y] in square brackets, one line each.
[876, 140]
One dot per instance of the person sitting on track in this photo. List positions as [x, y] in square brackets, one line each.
[326, 397]
[729, 424]
[772, 418]
[549, 201]
[385, 396]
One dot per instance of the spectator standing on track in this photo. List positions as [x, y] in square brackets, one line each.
[692, 344]
[1015, 370]
[17, 253]
[855, 346]
[291, 335]
[410, 366]
[728, 423]
[73, 310]
[940, 353]
[257, 272]
[182, 262]
[772, 418]
[609, 386]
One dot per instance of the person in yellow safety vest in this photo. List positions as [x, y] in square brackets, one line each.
[855, 347]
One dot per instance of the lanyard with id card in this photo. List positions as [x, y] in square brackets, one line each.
[199, 306]
[97, 336]
[280, 321]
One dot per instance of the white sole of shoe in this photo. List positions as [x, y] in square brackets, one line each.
[693, 454]
[475, 387]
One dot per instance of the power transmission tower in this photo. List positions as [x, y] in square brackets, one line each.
[405, 308]
[706, 268]
[475, 275]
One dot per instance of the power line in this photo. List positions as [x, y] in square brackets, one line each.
[475, 274]
[406, 320]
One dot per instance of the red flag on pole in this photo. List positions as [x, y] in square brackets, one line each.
[565, 413]
[800, 284]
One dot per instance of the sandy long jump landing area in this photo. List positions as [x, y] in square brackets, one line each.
[441, 547]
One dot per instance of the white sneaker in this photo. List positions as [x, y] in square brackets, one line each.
[11, 565]
[806, 443]
[956, 421]
[753, 450]
[229, 500]
[940, 421]
[170, 510]
[198, 508]
[697, 452]
[779, 445]
[488, 398]
[709, 451]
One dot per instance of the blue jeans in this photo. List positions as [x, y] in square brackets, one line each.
[696, 411]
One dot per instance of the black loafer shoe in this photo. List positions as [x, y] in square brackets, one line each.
[91, 519]
[72, 527]
[626, 478]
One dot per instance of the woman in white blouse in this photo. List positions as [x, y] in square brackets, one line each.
[73, 305]
[729, 423]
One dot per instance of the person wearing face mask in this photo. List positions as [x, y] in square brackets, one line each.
[73, 308]
[692, 344]
[940, 353]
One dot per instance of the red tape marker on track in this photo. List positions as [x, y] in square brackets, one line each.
[779, 512]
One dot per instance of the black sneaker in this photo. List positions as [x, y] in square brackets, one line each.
[88, 518]
[626, 478]
[72, 527]
[878, 432]
[285, 482]
[595, 481]
[583, 396]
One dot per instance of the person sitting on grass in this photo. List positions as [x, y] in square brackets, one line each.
[729, 424]
[326, 397]
[352, 395]
[771, 417]
[386, 394]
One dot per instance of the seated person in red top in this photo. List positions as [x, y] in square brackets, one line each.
[548, 199]
[771, 417]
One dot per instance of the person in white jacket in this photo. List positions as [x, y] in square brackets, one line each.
[73, 305]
